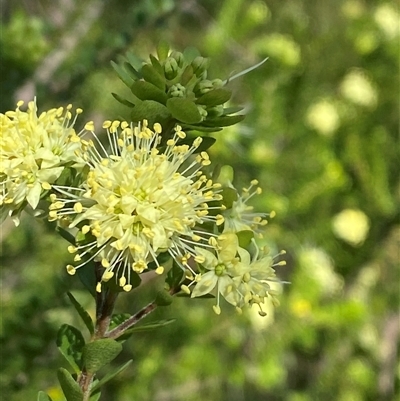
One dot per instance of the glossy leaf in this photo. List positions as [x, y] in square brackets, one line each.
[87, 276]
[123, 75]
[184, 110]
[70, 387]
[66, 235]
[163, 50]
[123, 101]
[82, 313]
[149, 110]
[110, 376]
[70, 342]
[215, 97]
[232, 110]
[224, 121]
[99, 353]
[150, 74]
[147, 91]
[42, 396]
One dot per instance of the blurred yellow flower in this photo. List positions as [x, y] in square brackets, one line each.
[323, 117]
[359, 89]
[351, 225]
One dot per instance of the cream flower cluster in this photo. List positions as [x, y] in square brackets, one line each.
[229, 271]
[140, 199]
[34, 151]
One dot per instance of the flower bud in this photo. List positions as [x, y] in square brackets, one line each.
[203, 112]
[170, 68]
[200, 65]
[217, 83]
[177, 90]
[178, 56]
[203, 87]
[215, 111]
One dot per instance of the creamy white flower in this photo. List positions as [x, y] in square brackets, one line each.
[138, 202]
[33, 153]
[240, 216]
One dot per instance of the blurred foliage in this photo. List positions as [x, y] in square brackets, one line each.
[321, 135]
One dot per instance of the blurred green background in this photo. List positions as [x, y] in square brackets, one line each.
[321, 135]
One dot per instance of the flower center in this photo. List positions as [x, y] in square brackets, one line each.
[220, 269]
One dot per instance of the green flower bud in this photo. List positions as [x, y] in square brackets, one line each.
[217, 83]
[215, 111]
[170, 68]
[203, 87]
[178, 56]
[203, 112]
[177, 90]
[200, 65]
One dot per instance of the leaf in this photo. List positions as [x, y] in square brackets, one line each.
[118, 318]
[163, 298]
[87, 276]
[232, 110]
[215, 97]
[245, 237]
[229, 196]
[123, 101]
[147, 91]
[42, 396]
[163, 50]
[224, 121]
[150, 74]
[156, 64]
[66, 235]
[82, 313]
[149, 110]
[245, 71]
[70, 342]
[110, 376]
[70, 387]
[187, 75]
[132, 72]
[184, 110]
[123, 75]
[190, 127]
[184, 295]
[99, 353]
[150, 326]
[95, 396]
[174, 276]
[135, 62]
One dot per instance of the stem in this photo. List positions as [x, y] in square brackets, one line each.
[105, 302]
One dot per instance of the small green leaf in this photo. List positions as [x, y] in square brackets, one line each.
[190, 127]
[95, 396]
[224, 121]
[123, 101]
[131, 71]
[229, 196]
[150, 74]
[110, 376]
[163, 50]
[135, 62]
[123, 75]
[156, 64]
[70, 387]
[163, 298]
[87, 276]
[174, 276]
[215, 97]
[150, 326]
[232, 110]
[151, 111]
[245, 237]
[82, 313]
[70, 342]
[42, 396]
[184, 110]
[66, 235]
[118, 318]
[187, 75]
[99, 353]
[147, 91]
